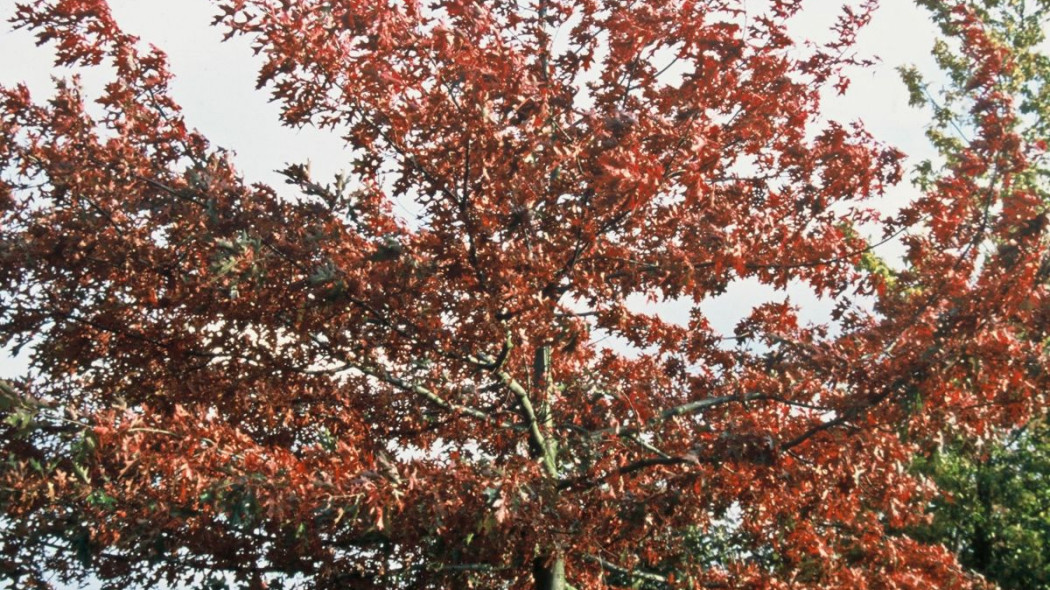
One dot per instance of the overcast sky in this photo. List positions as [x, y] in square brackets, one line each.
[215, 84]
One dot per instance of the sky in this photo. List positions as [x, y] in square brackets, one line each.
[215, 84]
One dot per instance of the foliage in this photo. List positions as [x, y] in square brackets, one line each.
[304, 388]
[994, 507]
[991, 509]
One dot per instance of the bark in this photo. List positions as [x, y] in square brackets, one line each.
[982, 541]
[549, 574]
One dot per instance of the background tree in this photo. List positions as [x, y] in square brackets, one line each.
[309, 389]
[993, 506]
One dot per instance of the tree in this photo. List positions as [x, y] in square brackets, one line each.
[993, 508]
[232, 384]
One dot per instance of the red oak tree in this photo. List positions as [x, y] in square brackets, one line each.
[300, 387]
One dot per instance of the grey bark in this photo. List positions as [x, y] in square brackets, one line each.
[548, 572]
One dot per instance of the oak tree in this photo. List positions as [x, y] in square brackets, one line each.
[295, 385]
[990, 507]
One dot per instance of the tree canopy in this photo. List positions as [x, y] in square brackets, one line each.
[297, 387]
[993, 507]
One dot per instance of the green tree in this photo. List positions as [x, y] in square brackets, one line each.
[994, 507]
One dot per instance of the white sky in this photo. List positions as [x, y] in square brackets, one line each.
[215, 84]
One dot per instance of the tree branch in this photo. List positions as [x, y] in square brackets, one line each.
[532, 420]
[631, 573]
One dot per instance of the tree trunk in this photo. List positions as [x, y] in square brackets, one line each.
[982, 541]
[549, 574]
